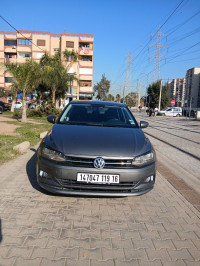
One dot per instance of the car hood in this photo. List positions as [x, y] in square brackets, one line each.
[97, 141]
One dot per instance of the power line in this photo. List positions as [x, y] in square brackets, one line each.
[183, 23]
[20, 32]
[161, 27]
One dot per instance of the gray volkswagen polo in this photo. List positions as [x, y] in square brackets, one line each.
[96, 148]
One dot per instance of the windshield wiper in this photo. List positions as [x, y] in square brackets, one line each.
[92, 124]
[124, 126]
[81, 124]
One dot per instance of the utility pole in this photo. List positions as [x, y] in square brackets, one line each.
[160, 95]
[138, 93]
[157, 56]
[78, 82]
[128, 75]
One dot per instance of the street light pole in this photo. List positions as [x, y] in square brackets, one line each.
[78, 82]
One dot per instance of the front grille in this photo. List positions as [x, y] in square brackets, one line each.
[74, 185]
[88, 162]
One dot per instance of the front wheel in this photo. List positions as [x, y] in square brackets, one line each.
[178, 115]
[163, 114]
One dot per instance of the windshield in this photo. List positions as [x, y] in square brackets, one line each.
[97, 115]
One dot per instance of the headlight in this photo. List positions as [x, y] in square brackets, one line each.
[53, 155]
[144, 159]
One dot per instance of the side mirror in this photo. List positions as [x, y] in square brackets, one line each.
[51, 119]
[143, 124]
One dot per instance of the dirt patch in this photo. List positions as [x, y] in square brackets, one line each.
[8, 129]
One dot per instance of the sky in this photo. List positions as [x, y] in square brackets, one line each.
[119, 28]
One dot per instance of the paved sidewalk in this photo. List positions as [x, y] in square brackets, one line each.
[158, 228]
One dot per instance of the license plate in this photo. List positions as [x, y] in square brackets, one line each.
[98, 178]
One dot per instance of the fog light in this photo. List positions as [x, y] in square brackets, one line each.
[43, 174]
[149, 179]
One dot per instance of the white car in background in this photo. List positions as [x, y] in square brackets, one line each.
[18, 105]
[171, 111]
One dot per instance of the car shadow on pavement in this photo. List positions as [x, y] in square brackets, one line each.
[31, 173]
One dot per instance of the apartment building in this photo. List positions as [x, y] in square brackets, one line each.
[192, 89]
[19, 46]
[176, 90]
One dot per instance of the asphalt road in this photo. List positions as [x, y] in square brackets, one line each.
[159, 228]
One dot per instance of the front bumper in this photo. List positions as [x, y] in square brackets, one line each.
[61, 179]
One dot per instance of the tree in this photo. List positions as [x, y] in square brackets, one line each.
[165, 99]
[55, 76]
[131, 99]
[153, 92]
[110, 98]
[26, 77]
[14, 89]
[118, 97]
[101, 89]
[3, 92]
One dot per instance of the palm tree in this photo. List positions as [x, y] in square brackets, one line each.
[55, 74]
[26, 77]
[71, 55]
[14, 90]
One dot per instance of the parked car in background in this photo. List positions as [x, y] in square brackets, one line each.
[5, 106]
[96, 148]
[31, 106]
[18, 105]
[1, 110]
[171, 111]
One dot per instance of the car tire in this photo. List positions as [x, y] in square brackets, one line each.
[178, 115]
[163, 114]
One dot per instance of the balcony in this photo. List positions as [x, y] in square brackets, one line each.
[85, 63]
[10, 60]
[85, 51]
[85, 89]
[10, 49]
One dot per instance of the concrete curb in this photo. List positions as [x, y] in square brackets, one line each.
[43, 134]
[22, 147]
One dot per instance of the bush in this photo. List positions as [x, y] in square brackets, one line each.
[17, 114]
[49, 109]
[40, 112]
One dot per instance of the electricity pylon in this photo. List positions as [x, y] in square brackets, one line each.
[157, 56]
[128, 74]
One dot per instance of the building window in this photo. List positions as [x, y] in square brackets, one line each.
[69, 44]
[24, 42]
[40, 42]
[86, 83]
[10, 55]
[56, 49]
[9, 79]
[86, 58]
[10, 42]
[24, 55]
[84, 45]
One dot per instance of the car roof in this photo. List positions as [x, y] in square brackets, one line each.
[98, 103]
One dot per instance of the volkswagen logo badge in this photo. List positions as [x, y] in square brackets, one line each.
[99, 163]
